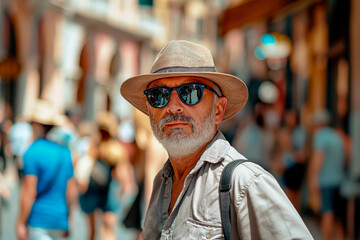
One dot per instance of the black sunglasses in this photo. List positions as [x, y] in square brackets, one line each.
[190, 94]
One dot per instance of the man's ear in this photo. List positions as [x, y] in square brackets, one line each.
[219, 111]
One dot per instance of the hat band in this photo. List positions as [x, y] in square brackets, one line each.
[185, 69]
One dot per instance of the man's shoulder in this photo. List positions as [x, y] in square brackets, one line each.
[246, 166]
[246, 172]
[34, 146]
[249, 168]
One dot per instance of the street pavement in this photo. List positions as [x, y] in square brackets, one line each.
[79, 231]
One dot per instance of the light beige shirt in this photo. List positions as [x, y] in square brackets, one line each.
[259, 207]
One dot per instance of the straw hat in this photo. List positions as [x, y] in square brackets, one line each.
[45, 113]
[184, 58]
[107, 121]
[85, 128]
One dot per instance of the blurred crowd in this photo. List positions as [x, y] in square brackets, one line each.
[113, 158]
[308, 156]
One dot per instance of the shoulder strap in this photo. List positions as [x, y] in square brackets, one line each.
[224, 188]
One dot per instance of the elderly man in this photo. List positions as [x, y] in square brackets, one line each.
[185, 98]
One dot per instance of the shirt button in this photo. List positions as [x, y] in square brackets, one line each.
[165, 196]
[167, 231]
[167, 182]
[208, 236]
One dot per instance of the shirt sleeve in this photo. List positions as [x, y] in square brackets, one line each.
[262, 209]
[319, 141]
[30, 166]
[68, 158]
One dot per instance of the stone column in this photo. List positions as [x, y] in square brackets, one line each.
[318, 45]
[355, 86]
[52, 46]
[132, 58]
[2, 50]
[25, 21]
[90, 78]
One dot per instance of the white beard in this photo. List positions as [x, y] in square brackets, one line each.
[180, 144]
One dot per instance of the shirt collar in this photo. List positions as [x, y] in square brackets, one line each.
[167, 170]
[217, 149]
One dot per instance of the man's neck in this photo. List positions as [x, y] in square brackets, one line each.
[183, 165]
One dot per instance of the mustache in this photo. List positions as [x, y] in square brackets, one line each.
[176, 117]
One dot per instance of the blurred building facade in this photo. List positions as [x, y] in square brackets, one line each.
[77, 53]
[73, 53]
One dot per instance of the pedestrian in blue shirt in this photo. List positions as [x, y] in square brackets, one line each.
[47, 186]
[326, 172]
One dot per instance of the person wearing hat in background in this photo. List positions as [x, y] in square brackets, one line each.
[47, 188]
[186, 98]
[110, 158]
[325, 174]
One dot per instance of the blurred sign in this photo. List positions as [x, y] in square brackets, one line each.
[275, 48]
[273, 45]
[10, 68]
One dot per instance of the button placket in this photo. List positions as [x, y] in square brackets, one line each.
[166, 199]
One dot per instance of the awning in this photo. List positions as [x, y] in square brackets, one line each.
[248, 11]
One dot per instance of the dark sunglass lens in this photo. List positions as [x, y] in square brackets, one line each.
[158, 97]
[191, 94]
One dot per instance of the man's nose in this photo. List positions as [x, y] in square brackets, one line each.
[175, 105]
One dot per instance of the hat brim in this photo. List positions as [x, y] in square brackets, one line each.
[233, 88]
[44, 118]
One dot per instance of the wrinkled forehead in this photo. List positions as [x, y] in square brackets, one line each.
[178, 81]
